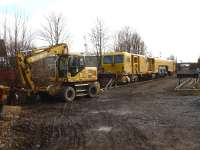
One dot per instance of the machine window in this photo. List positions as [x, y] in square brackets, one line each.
[135, 59]
[82, 63]
[119, 59]
[76, 64]
[73, 65]
[63, 62]
[51, 61]
[107, 59]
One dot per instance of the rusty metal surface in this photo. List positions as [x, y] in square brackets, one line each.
[8, 75]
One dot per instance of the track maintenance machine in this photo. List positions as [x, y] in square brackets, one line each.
[71, 79]
[124, 67]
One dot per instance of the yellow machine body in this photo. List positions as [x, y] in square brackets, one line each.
[171, 65]
[70, 78]
[135, 65]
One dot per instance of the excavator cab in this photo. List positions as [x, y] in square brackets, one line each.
[75, 78]
[70, 65]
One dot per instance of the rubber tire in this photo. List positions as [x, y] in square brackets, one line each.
[69, 97]
[92, 90]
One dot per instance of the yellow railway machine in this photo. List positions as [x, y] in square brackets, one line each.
[128, 67]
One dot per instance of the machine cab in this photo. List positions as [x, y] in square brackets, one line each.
[70, 65]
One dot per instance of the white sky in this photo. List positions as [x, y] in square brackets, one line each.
[166, 26]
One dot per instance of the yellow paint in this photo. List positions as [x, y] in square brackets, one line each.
[87, 74]
[171, 65]
[134, 64]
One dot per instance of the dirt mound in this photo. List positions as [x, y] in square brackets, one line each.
[50, 135]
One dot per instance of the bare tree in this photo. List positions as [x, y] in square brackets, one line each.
[198, 63]
[99, 39]
[129, 41]
[171, 57]
[16, 33]
[86, 45]
[3, 26]
[54, 29]
[148, 53]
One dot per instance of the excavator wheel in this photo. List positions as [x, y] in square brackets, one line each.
[69, 94]
[92, 90]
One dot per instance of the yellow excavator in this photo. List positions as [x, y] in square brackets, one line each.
[71, 79]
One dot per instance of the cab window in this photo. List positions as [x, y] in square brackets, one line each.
[107, 59]
[63, 62]
[76, 64]
[51, 61]
[119, 59]
[81, 63]
[73, 64]
[135, 59]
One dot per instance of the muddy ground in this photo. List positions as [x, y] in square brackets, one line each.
[141, 116]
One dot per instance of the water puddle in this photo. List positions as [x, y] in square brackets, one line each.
[104, 129]
[114, 112]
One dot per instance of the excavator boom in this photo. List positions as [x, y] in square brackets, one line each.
[40, 54]
[23, 63]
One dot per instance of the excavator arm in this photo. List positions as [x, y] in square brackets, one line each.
[23, 63]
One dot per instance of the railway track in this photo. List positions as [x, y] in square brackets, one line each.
[188, 86]
[132, 83]
[35, 99]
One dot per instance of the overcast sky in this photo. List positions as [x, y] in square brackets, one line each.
[166, 26]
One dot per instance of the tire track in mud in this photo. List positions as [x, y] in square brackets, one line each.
[73, 129]
[115, 120]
